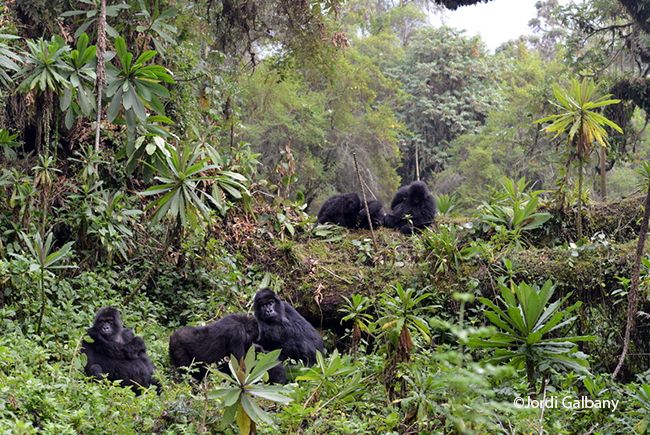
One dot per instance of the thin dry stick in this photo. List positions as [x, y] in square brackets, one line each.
[417, 162]
[370, 190]
[101, 67]
[335, 275]
[365, 201]
[633, 296]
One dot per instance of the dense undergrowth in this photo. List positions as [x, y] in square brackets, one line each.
[508, 319]
[399, 363]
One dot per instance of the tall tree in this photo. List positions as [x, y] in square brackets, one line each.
[449, 79]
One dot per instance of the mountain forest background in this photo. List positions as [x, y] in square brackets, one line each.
[168, 158]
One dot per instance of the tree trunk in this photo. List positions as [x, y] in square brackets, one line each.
[101, 70]
[633, 296]
[603, 171]
[579, 213]
[530, 376]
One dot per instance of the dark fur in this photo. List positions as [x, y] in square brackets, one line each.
[233, 335]
[341, 209]
[282, 327]
[413, 208]
[116, 354]
[377, 214]
[230, 335]
[400, 197]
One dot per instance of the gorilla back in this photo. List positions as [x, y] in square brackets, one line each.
[232, 334]
[282, 327]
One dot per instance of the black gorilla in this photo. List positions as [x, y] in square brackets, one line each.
[282, 327]
[341, 209]
[377, 214]
[116, 354]
[233, 334]
[400, 197]
[413, 208]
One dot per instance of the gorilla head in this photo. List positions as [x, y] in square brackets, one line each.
[108, 324]
[268, 308]
[417, 193]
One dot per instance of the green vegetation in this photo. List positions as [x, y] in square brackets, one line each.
[221, 127]
[527, 318]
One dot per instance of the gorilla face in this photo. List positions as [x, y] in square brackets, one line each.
[417, 192]
[109, 324]
[353, 202]
[268, 307]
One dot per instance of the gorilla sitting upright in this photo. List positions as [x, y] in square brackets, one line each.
[282, 327]
[116, 354]
[413, 208]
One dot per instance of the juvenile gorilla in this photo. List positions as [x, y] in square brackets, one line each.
[341, 209]
[233, 334]
[413, 208]
[116, 354]
[282, 327]
[377, 214]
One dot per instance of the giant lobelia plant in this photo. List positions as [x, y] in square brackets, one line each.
[530, 331]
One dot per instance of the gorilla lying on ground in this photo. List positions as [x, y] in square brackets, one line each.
[116, 354]
[377, 214]
[413, 208]
[341, 209]
[233, 334]
[282, 327]
[347, 210]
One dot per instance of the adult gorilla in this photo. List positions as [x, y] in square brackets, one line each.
[116, 354]
[341, 209]
[282, 327]
[233, 335]
[413, 207]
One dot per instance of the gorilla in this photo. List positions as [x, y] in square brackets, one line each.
[116, 354]
[341, 209]
[282, 327]
[233, 335]
[377, 214]
[413, 208]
